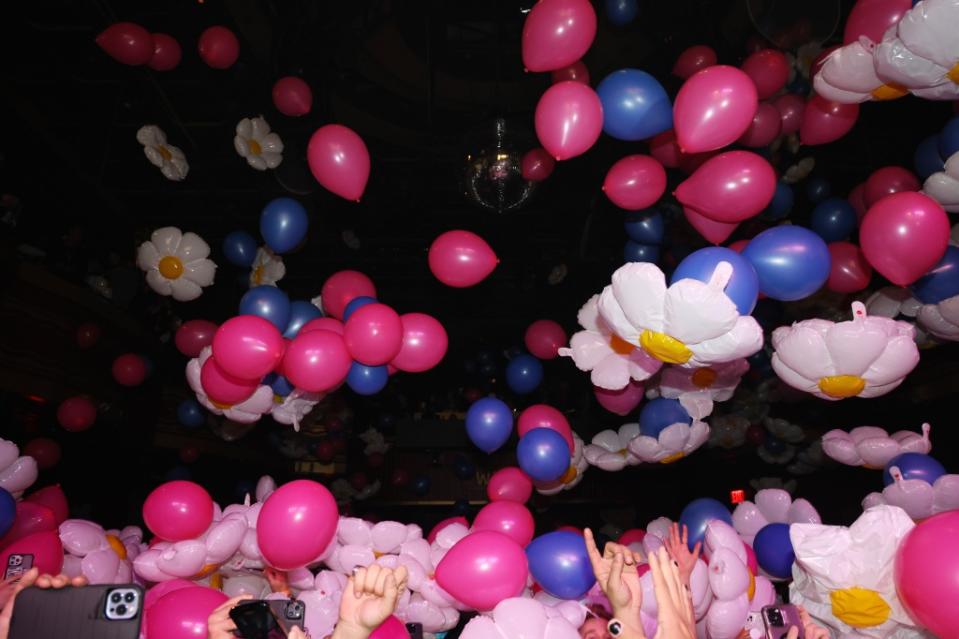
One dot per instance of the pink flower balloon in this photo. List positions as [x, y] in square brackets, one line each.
[219, 47]
[766, 126]
[248, 347]
[508, 517]
[323, 324]
[296, 524]
[193, 336]
[557, 33]
[886, 181]
[129, 370]
[731, 187]
[45, 547]
[537, 165]
[178, 510]
[904, 235]
[483, 569]
[623, 401]
[317, 361]
[824, 121]
[76, 414]
[790, 107]
[342, 288]
[424, 343]
[695, 58]
[769, 71]
[713, 108]
[166, 53]
[373, 334]
[339, 161]
[183, 613]
[545, 416]
[924, 572]
[223, 388]
[849, 271]
[713, 231]
[635, 182]
[569, 119]
[871, 18]
[461, 259]
[576, 72]
[292, 96]
[127, 43]
[544, 338]
[509, 484]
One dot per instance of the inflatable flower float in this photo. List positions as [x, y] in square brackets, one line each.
[267, 268]
[248, 411]
[848, 75]
[255, 143]
[917, 497]
[102, 556]
[784, 429]
[17, 472]
[609, 449]
[374, 442]
[719, 380]
[194, 558]
[808, 460]
[176, 263]
[667, 443]
[771, 506]
[941, 320]
[873, 447]
[943, 186]
[291, 410]
[519, 618]
[573, 475]
[169, 159]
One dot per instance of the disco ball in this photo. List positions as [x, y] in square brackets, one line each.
[493, 177]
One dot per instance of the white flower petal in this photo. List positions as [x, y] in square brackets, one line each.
[159, 283]
[192, 247]
[588, 316]
[166, 239]
[147, 256]
[272, 144]
[244, 128]
[257, 162]
[640, 290]
[153, 155]
[241, 146]
[184, 290]
[272, 160]
[694, 312]
[260, 129]
[200, 272]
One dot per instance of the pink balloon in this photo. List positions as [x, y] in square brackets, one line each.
[317, 361]
[572, 529]
[508, 517]
[323, 324]
[483, 569]
[537, 165]
[392, 628]
[927, 562]
[886, 181]
[443, 524]
[296, 524]
[45, 547]
[695, 58]
[769, 71]
[339, 160]
[849, 271]
[373, 334]
[193, 336]
[569, 119]
[223, 388]
[731, 187]
[623, 401]
[713, 231]
[52, 497]
[790, 107]
[219, 47]
[30, 519]
[871, 18]
[424, 343]
[824, 121]
[632, 536]
[509, 484]
[664, 147]
[157, 592]
[461, 259]
[544, 338]
[903, 235]
[44, 450]
[127, 43]
[178, 510]
[689, 162]
[635, 182]
[248, 347]
[557, 33]
[545, 416]
[183, 613]
[713, 108]
[76, 414]
[766, 126]
[857, 197]
[166, 52]
[129, 370]
[292, 96]
[342, 288]
[576, 72]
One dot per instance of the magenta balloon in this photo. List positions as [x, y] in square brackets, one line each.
[461, 259]
[317, 361]
[483, 569]
[52, 497]
[424, 343]
[292, 96]
[886, 181]
[127, 43]
[731, 187]
[296, 524]
[713, 231]
[871, 18]
[76, 414]
[537, 165]
[30, 519]
[557, 33]
[769, 71]
[193, 336]
[178, 510]
[544, 338]
[339, 161]
[392, 628]
[322, 324]
[576, 72]
[343, 287]
[903, 236]
[162, 589]
[713, 108]
[766, 126]
[46, 548]
[509, 484]
[927, 562]
[790, 107]
[824, 121]
[221, 387]
[695, 58]
[621, 402]
[545, 416]
[508, 517]
[635, 182]
[219, 47]
[373, 334]
[849, 271]
[857, 197]
[183, 613]
[569, 119]
[665, 149]
[248, 347]
[129, 370]
[166, 53]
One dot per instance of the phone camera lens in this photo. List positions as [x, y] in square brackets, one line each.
[129, 597]
[295, 611]
[121, 610]
[116, 597]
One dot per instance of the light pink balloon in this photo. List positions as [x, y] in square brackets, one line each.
[223, 388]
[545, 416]
[45, 547]
[665, 149]
[544, 338]
[713, 231]
[695, 58]
[483, 569]
[731, 187]
[857, 197]
[576, 72]
[247, 346]
[790, 107]
[713, 108]
[292, 96]
[537, 165]
[438, 528]
[886, 181]
[343, 287]
[461, 259]
[373, 334]
[339, 160]
[509, 484]
[166, 53]
[193, 336]
[183, 613]
[508, 517]
[127, 43]
[904, 235]
[871, 18]
[623, 401]
[323, 324]
[557, 33]
[766, 126]
[635, 182]
[769, 71]
[824, 121]
[178, 510]
[424, 343]
[569, 119]
[317, 361]
[297, 522]
[219, 47]
[849, 272]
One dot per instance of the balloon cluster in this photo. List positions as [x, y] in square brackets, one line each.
[132, 44]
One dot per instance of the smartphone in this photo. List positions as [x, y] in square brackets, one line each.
[268, 618]
[777, 620]
[415, 630]
[89, 612]
[17, 565]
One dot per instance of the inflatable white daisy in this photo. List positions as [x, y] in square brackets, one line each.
[176, 263]
[375, 442]
[917, 497]
[609, 449]
[169, 159]
[248, 411]
[267, 268]
[253, 141]
[771, 506]
[728, 431]
[943, 186]
[17, 472]
[574, 474]
[291, 410]
[672, 444]
[873, 447]
[940, 320]
[848, 75]
[719, 380]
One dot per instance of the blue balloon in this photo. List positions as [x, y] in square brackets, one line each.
[283, 224]
[818, 189]
[659, 413]
[356, 304]
[700, 512]
[635, 105]
[782, 203]
[267, 302]
[190, 414]
[489, 423]
[926, 159]
[743, 286]
[834, 219]
[281, 386]
[635, 252]
[421, 485]
[774, 550]
[645, 227]
[461, 508]
[301, 312]
[524, 374]
[559, 563]
[941, 282]
[914, 466]
[622, 12]
[949, 138]
[463, 468]
[239, 247]
[367, 380]
[792, 262]
[543, 454]
[8, 511]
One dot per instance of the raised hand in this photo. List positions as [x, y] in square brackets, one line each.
[616, 571]
[676, 618]
[678, 547]
[219, 625]
[368, 600]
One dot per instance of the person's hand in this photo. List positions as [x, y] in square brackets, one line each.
[676, 618]
[368, 600]
[678, 547]
[10, 589]
[218, 624]
[811, 630]
[616, 571]
[296, 633]
[277, 579]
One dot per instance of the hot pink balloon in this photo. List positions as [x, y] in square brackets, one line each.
[544, 338]
[886, 181]
[545, 416]
[342, 288]
[76, 414]
[424, 343]
[769, 71]
[223, 388]
[925, 573]
[183, 613]
[508, 517]
[635, 182]
[695, 58]
[129, 370]
[178, 510]
[166, 53]
[392, 628]
[904, 235]
[339, 160]
[713, 231]
[751, 561]
[31, 518]
[857, 197]
[537, 165]
[569, 119]
[431, 537]
[162, 589]
[824, 121]
[664, 147]
[557, 33]
[731, 187]
[713, 108]
[373, 334]
[247, 346]
[576, 72]
[323, 324]
[52, 497]
[219, 47]
[127, 43]
[317, 361]
[849, 271]
[872, 18]
[45, 547]
[509, 484]
[193, 336]
[621, 402]
[461, 259]
[766, 126]
[739, 245]
[292, 96]
[296, 524]
[790, 107]
[483, 569]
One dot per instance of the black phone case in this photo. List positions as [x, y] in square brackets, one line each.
[77, 613]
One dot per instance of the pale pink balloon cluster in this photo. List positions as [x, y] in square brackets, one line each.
[609, 449]
[671, 444]
[520, 618]
[102, 556]
[917, 497]
[771, 506]
[873, 447]
[17, 472]
[719, 380]
[247, 411]
[943, 186]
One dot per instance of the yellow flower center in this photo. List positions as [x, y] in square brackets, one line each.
[569, 475]
[206, 571]
[664, 347]
[703, 377]
[258, 275]
[117, 546]
[221, 406]
[255, 147]
[751, 591]
[859, 607]
[672, 458]
[216, 581]
[953, 73]
[378, 554]
[890, 91]
[277, 399]
[165, 153]
[620, 346]
[842, 386]
[170, 267]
